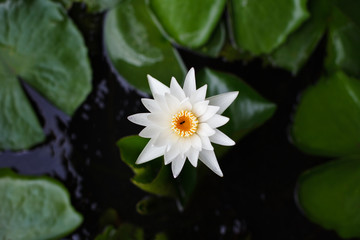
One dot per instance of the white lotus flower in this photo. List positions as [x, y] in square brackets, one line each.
[182, 124]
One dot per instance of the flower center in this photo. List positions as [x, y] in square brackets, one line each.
[184, 123]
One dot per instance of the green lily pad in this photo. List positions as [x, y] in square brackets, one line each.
[188, 23]
[39, 44]
[136, 47]
[327, 120]
[215, 44]
[34, 208]
[248, 111]
[300, 44]
[343, 45]
[330, 194]
[154, 177]
[260, 26]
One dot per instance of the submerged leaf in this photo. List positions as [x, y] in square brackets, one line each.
[39, 44]
[34, 208]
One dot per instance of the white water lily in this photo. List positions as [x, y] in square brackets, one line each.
[182, 124]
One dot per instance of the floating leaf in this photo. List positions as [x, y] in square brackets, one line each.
[34, 208]
[136, 47]
[330, 194]
[248, 111]
[343, 45]
[152, 177]
[216, 42]
[327, 120]
[299, 46]
[189, 23]
[39, 44]
[260, 26]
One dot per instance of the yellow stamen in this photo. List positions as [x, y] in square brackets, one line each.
[184, 123]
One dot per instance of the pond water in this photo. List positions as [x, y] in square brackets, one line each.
[254, 200]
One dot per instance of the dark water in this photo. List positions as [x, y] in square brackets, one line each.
[255, 198]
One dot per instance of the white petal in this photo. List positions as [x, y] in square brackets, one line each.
[217, 121]
[140, 119]
[205, 130]
[184, 145]
[210, 112]
[164, 138]
[221, 139]
[205, 143]
[172, 102]
[150, 152]
[223, 100]
[160, 100]
[185, 105]
[209, 159]
[196, 142]
[171, 154]
[199, 95]
[150, 104]
[150, 131]
[200, 108]
[193, 156]
[189, 83]
[160, 119]
[177, 164]
[157, 87]
[176, 89]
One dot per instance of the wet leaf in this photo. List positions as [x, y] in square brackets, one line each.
[261, 26]
[343, 45]
[39, 44]
[152, 176]
[136, 47]
[300, 44]
[247, 112]
[215, 44]
[330, 194]
[327, 119]
[188, 23]
[34, 208]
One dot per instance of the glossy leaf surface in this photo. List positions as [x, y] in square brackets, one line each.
[37, 42]
[262, 25]
[343, 44]
[330, 194]
[248, 111]
[189, 23]
[292, 54]
[136, 47]
[34, 208]
[327, 119]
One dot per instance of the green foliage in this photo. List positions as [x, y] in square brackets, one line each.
[34, 208]
[300, 44]
[37, 42]
[343, 44]
[330, 195]
[137, 48]
[248, 111]
[188, 23]
[327, 120]
[261, 26]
